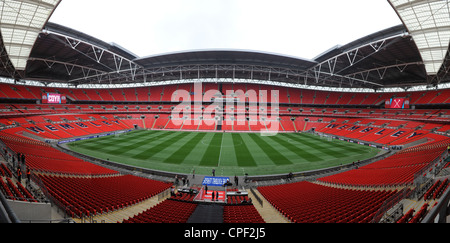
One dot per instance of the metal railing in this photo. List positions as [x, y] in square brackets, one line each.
[260, 201]
[442, 209]
[389, 203]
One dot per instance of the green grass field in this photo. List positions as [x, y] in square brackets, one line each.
[229, 153]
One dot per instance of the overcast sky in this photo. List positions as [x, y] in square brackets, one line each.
[296, 28]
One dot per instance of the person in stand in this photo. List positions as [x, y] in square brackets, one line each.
[217, 196]
[206, 189]
[19, 175]
[212, 195]
[28, 175]
[290, 176]
[172, 191]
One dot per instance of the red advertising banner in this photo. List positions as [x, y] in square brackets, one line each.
[397, 103]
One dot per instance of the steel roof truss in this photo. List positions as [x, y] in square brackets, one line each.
[72, 43]
[350, 58]
[118, 61]
[97, 54]
[69, 67]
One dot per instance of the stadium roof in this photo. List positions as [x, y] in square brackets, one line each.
[388, 58]
[428, 22]
[21, 21]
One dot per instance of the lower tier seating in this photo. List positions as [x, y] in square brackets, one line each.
[398, 169]
[241, 214]
[305, 202]
[81, 196]
[178, 211]
[15, 191]
[52, 160]
[436, 190]
[168, 211]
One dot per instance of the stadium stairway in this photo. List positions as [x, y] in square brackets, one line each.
[295, 127]
[207, 213]
[267, 211]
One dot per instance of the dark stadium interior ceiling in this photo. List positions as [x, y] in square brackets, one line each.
[388, 58]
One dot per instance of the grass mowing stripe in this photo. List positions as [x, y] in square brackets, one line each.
[121, 150]
[240, 152]
[99, 144]
[318, 146]
[349, 147]
[102, 142]
[243, 155]
[178, 156]
[272, 153]
[293, 148]
[212, 153]
[150, 152]
[228, 158]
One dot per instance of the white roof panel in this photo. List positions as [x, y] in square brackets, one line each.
[21, 21]
[428, 22]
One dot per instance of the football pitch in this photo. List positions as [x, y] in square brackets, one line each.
[228, 153]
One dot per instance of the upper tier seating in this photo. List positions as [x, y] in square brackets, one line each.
[286, 95]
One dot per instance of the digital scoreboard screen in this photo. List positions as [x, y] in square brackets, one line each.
[53, 98]
[397, 103]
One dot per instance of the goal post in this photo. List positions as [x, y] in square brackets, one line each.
[325, 137]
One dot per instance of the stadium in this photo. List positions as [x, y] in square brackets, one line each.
[92, 133]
